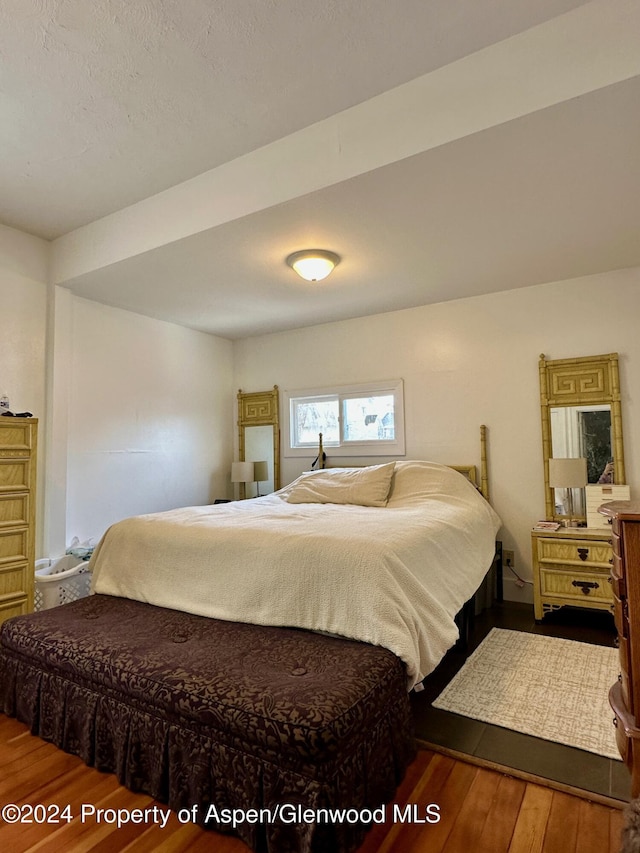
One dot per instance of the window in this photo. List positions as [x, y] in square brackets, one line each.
[358, 420]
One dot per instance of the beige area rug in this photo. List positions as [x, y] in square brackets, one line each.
[542, 686]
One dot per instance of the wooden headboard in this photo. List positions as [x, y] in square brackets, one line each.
[471, 471]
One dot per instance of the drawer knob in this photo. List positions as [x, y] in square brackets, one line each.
[615, 722]
[585, 586]
[583, 553]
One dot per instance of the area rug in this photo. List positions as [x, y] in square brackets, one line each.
[547, 687]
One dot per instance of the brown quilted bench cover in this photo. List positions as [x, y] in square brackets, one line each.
[199, 711]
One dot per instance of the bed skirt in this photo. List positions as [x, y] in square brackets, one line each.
[211, 716]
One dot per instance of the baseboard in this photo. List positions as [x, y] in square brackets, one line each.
[591, 796]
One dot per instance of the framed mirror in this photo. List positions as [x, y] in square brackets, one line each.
[581, 419]
[259, 440]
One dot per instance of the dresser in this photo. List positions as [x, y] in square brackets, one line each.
[571, 566]
[625, 582]
[18, 445]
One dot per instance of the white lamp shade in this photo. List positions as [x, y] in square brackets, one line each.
[242, 472]
[313, 264]
[568, 473]
[260, 472]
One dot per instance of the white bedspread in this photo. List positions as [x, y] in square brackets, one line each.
[394, 576]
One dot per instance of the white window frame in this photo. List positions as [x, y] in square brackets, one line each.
[370, 447]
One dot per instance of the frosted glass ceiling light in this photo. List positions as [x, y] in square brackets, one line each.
[313, 264]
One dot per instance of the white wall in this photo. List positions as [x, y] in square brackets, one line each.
[23, 306]
[134, 413]
[468, 362]
[149, 425]
[23, 315]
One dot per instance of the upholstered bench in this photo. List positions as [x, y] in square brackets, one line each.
[201, 712]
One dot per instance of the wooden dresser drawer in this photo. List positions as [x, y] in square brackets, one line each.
[15, 475]
[18, 452]
[618, 582]
[588, 553]
[18, 437]
[625, 678]
[578, 585]
[615, 543]
[14, 546]
[14, 509]
[623, 743]
[627, 736]
[620, 615]
[13, 582]
[14, 608]
[624, 696]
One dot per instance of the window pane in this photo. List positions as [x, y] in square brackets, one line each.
[363, 419]
[311, 416]
[369, 418]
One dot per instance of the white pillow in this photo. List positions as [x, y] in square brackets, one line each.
[362, 486]
[417, 482]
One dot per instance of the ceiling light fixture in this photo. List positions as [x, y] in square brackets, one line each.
[313, 264]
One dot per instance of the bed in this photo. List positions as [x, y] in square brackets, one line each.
[260, 652]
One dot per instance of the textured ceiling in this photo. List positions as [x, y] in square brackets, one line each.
[108, 103]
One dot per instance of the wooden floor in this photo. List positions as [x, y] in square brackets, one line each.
[482, 810]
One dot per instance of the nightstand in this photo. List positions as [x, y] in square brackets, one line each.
[571, 567]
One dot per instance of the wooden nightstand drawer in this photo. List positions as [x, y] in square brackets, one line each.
[571, 567]
[580, 586]
[578, 552]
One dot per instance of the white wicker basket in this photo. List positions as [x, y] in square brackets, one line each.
[60, 581]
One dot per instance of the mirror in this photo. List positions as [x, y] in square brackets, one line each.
[259, 439]
[581, 418]
[258, 447]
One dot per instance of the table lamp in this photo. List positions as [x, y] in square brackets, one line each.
[260, 474]
[568, 474]
[242, 472]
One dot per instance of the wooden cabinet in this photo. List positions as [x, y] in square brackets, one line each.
[571, 567]
[625, 583]
[18, 444]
